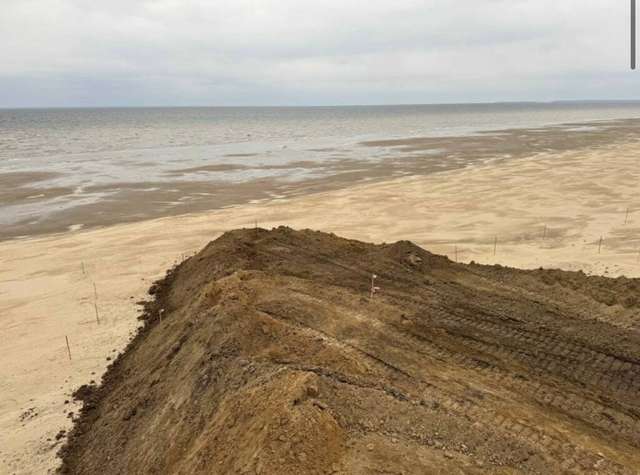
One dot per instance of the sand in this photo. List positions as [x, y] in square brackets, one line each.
[42, 203]
[47, 293]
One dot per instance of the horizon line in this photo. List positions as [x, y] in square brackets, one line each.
[293, 106]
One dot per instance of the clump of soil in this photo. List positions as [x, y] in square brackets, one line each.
[266, 354]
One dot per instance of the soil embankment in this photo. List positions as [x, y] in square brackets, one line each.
[265, 353]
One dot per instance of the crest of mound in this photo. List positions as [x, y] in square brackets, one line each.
[266, 352]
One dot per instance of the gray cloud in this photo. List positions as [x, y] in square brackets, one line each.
[244, 52]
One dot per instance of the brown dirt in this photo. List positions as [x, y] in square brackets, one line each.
[264, 354]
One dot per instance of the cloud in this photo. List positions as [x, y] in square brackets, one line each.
[242, 52]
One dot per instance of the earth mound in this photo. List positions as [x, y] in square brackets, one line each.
[268, 353]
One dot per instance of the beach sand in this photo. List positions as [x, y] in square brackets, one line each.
[548, 210]
[41, 203]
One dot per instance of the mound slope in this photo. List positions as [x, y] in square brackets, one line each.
[265, 354]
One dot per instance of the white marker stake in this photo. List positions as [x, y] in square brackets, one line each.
[373, 285]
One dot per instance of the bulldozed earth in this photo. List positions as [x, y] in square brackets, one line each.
[266, 353]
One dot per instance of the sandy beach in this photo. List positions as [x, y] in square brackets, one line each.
[574, 210]
[67, 197]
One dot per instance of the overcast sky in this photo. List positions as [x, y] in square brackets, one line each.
[299, 52]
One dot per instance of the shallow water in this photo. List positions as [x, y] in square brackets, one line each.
[86, 157]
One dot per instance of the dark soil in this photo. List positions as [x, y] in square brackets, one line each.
[265, 354]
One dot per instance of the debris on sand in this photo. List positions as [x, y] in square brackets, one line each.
[269, 357]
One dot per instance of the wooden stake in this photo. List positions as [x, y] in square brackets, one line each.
[495, 245]
[68, 348]
[600, 245]
[626, 217]
[95, 302]
[83, 271]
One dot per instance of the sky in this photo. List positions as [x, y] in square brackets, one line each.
[76, 53]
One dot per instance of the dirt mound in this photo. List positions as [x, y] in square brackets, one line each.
[266, 354]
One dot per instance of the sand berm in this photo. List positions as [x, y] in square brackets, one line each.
[265, 354]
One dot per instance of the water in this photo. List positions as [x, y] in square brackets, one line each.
[103, 145]
[89, 155]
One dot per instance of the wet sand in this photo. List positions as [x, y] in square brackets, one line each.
[17, 188]
[239, 181]
[548, 210]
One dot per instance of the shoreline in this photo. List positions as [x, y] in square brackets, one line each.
[548, 210]
[41, 203]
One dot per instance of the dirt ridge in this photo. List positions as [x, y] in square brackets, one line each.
[264, 353]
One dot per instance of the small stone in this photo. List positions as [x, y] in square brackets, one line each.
[370, 446]
[414, 259]
[313, 391]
